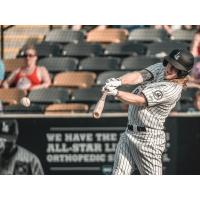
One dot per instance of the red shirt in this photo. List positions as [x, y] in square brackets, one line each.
[30, 80]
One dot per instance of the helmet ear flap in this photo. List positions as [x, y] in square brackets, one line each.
[165, 62]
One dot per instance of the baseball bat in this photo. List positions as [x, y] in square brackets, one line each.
[99, 106]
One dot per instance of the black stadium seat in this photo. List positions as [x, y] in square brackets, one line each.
[99, 64]
[44, 49]
[183, 35]
[82, 50]
[127, 48]
[187, 99]
[64, 36]
[50, 95]
[112, 107]
[138, 63]
[58, 64]
[188, 94]
[10, 109]
[102, 77]
[160, 49]
[89, 95]
[148, 35]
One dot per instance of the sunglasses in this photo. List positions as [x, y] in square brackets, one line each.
[29, 55]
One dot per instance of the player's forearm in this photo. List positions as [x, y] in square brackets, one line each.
[130, 98]
[132, 78]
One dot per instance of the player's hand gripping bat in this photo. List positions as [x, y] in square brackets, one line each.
[99, 106]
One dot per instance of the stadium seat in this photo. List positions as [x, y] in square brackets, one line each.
[64, 36]
[109, 35]
[148, 35]
[112, 107]
[58, 64]
[183, 35]
[188, 95]
[74, 79]
[138, 63]
[99, 64]
[86, 95]
[11, 109]
[102, 77]
[13, 64]
[161, 49]
[66, 108]
[44, 49]
[11, 95]
[186, 101]
[11, 52]
[82, 50]
[49, 95]
[127, 48]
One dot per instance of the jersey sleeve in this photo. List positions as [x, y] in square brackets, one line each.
[155, 69]
[160, 94]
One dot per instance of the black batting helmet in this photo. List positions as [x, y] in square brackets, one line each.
[182, 60]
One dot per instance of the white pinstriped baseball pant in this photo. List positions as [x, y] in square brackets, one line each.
[139, 150]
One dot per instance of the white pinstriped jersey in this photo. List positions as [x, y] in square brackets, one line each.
[161, 97]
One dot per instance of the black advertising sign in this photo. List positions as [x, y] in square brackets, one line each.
[83, 145]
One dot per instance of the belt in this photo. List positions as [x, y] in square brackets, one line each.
[138, 128]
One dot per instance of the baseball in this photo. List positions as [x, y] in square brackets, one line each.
[25, 101]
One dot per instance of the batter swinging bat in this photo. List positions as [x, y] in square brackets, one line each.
[99, 106]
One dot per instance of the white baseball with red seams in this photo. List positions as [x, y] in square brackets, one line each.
[25, 101]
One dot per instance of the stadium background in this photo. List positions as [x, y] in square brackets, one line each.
[79, 62]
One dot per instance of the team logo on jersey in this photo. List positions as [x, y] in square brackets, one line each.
[158, 94]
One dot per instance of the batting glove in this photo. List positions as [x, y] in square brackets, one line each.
[111, 91]
[113, 82]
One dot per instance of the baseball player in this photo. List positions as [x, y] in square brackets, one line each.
[14, 159]
[160, 85]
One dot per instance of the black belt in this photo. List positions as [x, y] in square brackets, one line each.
[139, 128]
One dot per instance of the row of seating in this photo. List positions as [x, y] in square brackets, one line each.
[55, 95]
[116, 35]
[56, 101]
[18, 36]
[86, 49]
[64, 95]
[64, 108]
[95, 64]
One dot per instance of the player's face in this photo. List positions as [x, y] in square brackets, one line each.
[170, 72]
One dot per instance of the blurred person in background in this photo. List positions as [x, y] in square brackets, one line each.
[167, 28]
[192, 106]
[195, 49]
[194, 78]
[197, 101]
[15, 159]
[2, 74]
[170, 28]
[30, 76]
